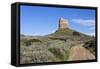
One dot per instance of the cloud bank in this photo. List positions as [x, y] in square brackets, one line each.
[90, 23]
[85, 22]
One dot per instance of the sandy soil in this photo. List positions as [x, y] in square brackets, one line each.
[80, 53]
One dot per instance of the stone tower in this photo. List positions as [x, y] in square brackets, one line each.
[63, 23]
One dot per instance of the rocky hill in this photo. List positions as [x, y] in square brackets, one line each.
[54, 47]
[64, 44]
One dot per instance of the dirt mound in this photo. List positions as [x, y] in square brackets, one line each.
[78, 52]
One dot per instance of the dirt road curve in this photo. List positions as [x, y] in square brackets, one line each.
[80, 53]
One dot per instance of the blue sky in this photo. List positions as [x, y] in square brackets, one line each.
[36, 20]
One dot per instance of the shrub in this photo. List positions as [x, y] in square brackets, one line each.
[56, 52]
[47, 51]
[59, 53]
[37, 56]
[23, 41]
[76, 33]
[30, 41]
[90, 45]
[58, 38]
[34, 40]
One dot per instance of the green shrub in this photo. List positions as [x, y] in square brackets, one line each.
[23, 41]
[58, 38]
[59, 53]
[90, 45]
[34, 40]
[36, 56]
[30, 41]
[76, 33]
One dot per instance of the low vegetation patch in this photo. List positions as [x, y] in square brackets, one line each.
[52, 48]
[90, 45]
[30, 41]
[76, 33]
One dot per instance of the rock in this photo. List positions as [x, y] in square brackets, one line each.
[63, 23]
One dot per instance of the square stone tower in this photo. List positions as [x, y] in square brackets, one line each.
[63, 23]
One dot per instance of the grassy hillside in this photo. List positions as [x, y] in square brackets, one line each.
[54, 47]
[66, 31]
[69, 34]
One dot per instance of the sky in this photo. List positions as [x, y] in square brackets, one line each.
[37, 20]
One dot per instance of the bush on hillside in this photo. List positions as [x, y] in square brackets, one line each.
[76, 33]
[91, 46]
[30, 41]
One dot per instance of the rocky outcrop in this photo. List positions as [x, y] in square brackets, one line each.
[63, 23]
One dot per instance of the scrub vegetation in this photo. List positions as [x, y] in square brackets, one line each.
[54, 47]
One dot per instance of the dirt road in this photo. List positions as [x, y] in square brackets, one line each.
[80, 53]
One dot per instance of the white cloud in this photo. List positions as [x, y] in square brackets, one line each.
[90, 23]
[85, 22]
